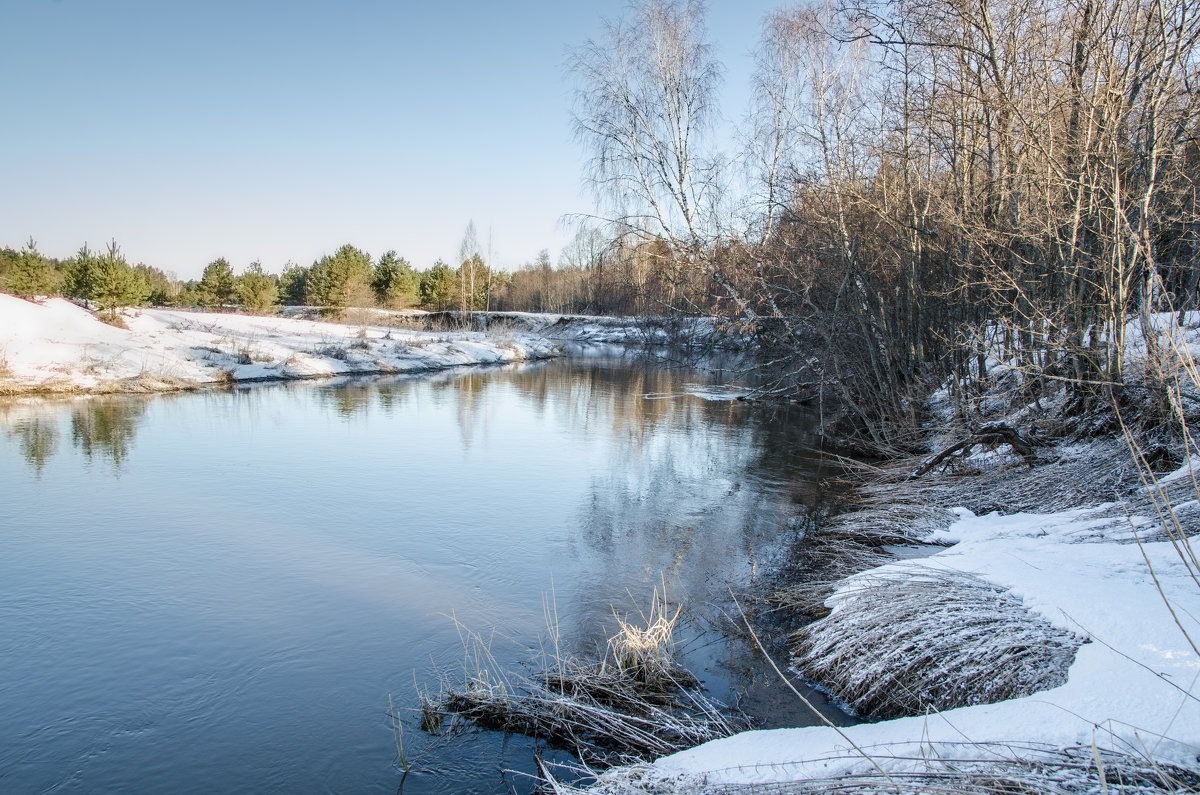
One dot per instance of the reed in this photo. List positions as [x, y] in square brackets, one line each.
[634, 703]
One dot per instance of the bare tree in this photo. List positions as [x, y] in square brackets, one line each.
[472, 272]
[645, 102]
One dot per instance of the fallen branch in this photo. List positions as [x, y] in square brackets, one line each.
[989, 436]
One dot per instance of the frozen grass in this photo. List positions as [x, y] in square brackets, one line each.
[634, 704]
[825, 563]
[929, 640]
[963, 768]
[644, 652]
[889, 511]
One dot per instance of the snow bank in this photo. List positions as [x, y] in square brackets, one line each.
[58, 346]
[596, 330]
[1131, 689]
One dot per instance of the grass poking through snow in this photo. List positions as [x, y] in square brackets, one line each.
[980, 769]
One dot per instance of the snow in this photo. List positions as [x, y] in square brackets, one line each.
[1131, 688]
[56, 345]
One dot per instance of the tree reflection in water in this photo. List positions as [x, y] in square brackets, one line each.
[37, 438]
[100, 427]
[106, 427]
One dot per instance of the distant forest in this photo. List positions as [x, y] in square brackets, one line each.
[350, 277]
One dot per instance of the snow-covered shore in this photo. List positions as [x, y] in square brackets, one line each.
[56, 346]
[1131, 689]
[1083, 541]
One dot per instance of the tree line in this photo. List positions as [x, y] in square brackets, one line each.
[916, 186]
[349, 277]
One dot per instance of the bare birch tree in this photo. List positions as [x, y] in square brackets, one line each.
[644, 105]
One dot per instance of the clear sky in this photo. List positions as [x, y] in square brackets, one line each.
[279, 129]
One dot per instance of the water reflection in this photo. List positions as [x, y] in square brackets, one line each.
[351, 399]
[106, 428]
[99, 427]
[37, 438]
[634, 397]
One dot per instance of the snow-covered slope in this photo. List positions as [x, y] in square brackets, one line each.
[58, 346]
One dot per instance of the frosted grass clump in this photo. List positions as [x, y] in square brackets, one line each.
[922, 640]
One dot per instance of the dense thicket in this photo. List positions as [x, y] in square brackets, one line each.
[921, 176]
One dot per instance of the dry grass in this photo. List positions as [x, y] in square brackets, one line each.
[825, 562]
[644, 652]
[888, 511]
[112, 318]
[928, 640]
[992, 769]
[634, 704]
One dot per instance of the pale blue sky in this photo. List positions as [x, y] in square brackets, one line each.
[279, 129]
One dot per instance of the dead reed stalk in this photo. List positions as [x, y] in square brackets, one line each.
[635, 703]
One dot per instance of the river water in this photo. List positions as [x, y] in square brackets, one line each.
[219, 591]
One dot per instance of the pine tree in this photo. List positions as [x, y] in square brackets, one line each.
[106, 280]
[217, 286]
[439, 287]
[395, 282]
[340, 281]
[291, 284]
[31, 274]
[257, 291]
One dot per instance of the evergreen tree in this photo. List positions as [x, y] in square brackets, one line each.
[340, 281]
[163, 289]
[217, 287]
[257, 291]
[291, 284]
[106, 280]
[395, 282]
[31, 274]
[8, 258]
[439, 287]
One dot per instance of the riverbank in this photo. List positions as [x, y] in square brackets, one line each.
[1036, 627]
[55, 346]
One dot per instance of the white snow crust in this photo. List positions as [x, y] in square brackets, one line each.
[1132, 687]
[57, 345]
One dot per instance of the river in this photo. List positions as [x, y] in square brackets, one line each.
[219, 591]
